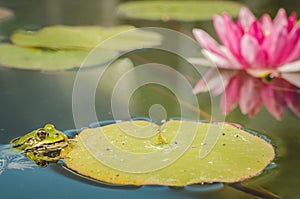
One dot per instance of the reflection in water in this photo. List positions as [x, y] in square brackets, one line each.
[251, 92]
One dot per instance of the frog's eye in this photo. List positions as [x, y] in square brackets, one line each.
[41, 134]
[49, 127]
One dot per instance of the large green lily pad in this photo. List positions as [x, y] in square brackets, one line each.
[177, 10]
[50, 60]
[87, 37]
[143, 153]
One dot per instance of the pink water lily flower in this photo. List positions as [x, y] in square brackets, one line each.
[265, 50]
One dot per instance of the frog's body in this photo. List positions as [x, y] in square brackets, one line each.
[42, 145]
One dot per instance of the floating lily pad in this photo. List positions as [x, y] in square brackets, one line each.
[50, 60]
[177, 10]
[87, 37]
[131, 152]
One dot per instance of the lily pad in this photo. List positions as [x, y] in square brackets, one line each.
[50, 60]
[177, 10]
[87, 37]
[119, 153]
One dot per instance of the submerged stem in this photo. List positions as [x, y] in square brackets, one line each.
[255, 192]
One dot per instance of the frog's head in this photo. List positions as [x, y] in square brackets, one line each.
[42, 145]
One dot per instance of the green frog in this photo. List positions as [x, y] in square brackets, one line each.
[42, 145]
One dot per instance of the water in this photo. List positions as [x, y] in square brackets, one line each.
[29, 99]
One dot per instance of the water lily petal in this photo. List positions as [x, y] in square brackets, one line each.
[275, 45]
[293, 78]
[235, 64]
[246, 17]
[266, 24]
[280, 19]
[250, 100]
[291, 21]
[229, 33]
[201, 85]
[220, 62]
[278, 40]
[294, 105]
[274, 100]
[233, 35]
[217, 54]
[220, 28]
[256, 31]
[231, 96]
[295, 53]
[290, 67]
[255, 108]
[225, 76]
[293, 99]
[291, 94]
[294, 43]
[207, 42]
[214, 80]
[252, 52]
[199, 61]
[290, 53]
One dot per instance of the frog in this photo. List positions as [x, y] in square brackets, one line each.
[43, 145]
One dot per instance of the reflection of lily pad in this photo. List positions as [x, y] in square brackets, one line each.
[86, 37]
[49, 60]
[177, 10]
[142, 153]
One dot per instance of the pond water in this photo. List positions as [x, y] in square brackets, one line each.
[30, 99]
